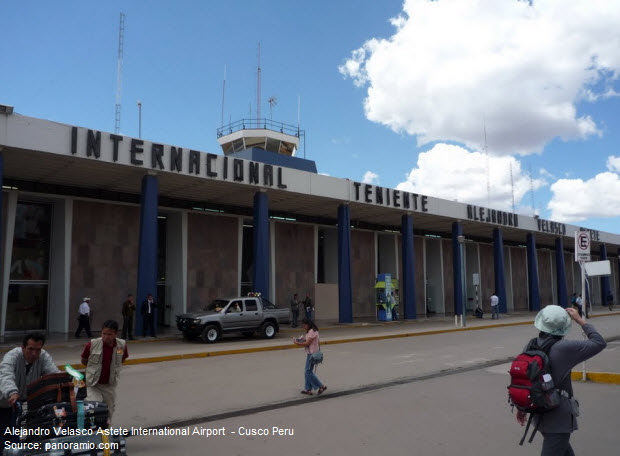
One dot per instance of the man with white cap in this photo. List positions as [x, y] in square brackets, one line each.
[84, 318]
[558, 424]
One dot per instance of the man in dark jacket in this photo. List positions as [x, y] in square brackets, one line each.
[129, 309]
[148, 316]
[558, 424]
[294, 310]
[308, 307]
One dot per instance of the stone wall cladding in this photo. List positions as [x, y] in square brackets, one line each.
[420, 292]
[519, 278]
[545, 278]
[363, 273]
[294, 263]
[212, 258]
[104, 259]
[5, 205]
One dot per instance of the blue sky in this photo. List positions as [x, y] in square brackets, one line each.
[396, 93]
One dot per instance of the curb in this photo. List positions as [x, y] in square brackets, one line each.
[597, 377]
[240, 351]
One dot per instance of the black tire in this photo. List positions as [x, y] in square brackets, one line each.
[268, 330]
[210, 334]
[248, 333]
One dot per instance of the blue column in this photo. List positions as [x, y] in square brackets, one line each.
[2, 221]
[457, 230]
[147, 256]
[618, 289]
[532, 273]
[560, 273]
[261, 244]
[498, 262]
[408, 301]
[345, 301]
[605, 288]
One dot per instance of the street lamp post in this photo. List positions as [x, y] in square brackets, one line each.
[461, 240]
[139, 119]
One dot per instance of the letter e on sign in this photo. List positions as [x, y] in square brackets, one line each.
[582, 246]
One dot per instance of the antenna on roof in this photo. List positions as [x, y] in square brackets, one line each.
[223, 93]
[258, 88]
[532, 189]
[512, 188]
[119, 70]
[488, 164]
[272, 102]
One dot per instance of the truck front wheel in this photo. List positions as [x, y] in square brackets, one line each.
[210, 334]
[268, 330]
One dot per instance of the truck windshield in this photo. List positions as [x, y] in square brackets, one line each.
[217, 305]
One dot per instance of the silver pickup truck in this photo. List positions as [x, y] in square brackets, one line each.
[244, 315]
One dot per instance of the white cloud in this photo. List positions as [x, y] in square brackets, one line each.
[371, 178]
[574, 200]
[453, 65]
[341, 140]
[613, 164]
[544, 172]
[454, 173]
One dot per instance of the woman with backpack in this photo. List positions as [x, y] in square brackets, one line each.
[312, 345]
[557, 425]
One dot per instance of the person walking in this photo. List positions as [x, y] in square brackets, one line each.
[84, 318]
[19, 367]
[148, 316]
[579, 305]
[494, 306]
[103, 358]
[128, 311]
[308, 307]
[311, 344]
[294, 310]
[557, 425]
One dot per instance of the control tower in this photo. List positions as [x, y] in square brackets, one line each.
[265, 141]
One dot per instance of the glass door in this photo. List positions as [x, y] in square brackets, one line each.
[27, 306]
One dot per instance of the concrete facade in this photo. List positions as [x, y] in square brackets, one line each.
[92, 181]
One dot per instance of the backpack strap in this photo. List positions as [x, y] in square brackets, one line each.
[527, 428]
[548, 342]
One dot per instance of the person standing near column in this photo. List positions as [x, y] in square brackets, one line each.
[129, 309]
[148, 316]
[579, 304]
[494, 307]
[103, 358]
[308, 307]
[294, 310]
[84, 318]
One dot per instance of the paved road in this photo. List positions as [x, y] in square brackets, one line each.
[363, 409]
[161, 393]
[464, 414]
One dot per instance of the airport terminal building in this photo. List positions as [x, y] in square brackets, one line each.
[97, 214]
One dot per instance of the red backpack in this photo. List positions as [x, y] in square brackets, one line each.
[531, 388]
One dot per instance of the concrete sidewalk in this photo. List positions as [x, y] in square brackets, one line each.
[171, 346]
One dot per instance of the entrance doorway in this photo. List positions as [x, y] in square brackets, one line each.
[27, 304]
